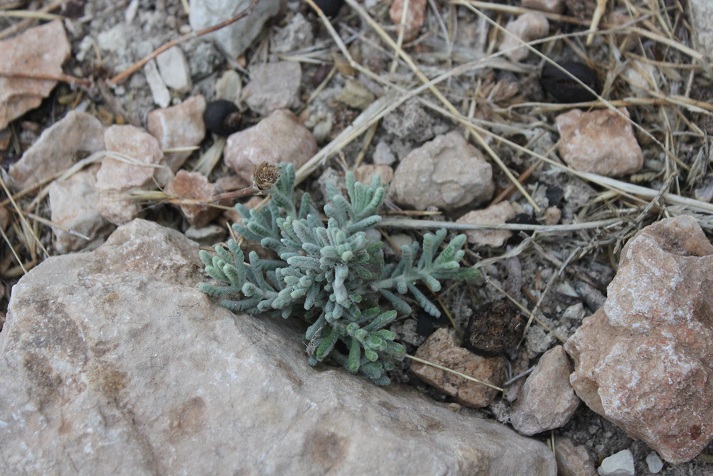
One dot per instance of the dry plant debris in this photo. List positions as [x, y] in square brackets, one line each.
[651, 73]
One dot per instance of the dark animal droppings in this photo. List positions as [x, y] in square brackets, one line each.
[329, 7]
[565, 89]
[221, 117]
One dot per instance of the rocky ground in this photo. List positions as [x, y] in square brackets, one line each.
[554, 180]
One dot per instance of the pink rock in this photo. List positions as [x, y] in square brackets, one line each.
[365, 173]
[547, 400]
[494, 214]
[441, 348]
[194, 185]
[73, 205]
[572, 460]
[644, 360]
[278, 138]
[601, 142]
[273, 86]
[178, 126]
[446, 172]
[550, 6]
[38, 51]
[76, 136]
[116, 177]
[527, 27]
[414, 18]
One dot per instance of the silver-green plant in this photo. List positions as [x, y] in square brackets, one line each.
[334, 275]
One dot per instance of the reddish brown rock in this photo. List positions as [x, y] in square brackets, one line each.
[39, 51]
[178, 126]
[601, 142]
[415, 16]
[644, 360]
[547, 400]
[193, 185]
[278, 138]
[441, 348]
[494, 214]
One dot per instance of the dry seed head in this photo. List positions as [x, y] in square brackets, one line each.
[265, 175]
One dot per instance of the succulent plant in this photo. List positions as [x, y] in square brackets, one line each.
[334, 275]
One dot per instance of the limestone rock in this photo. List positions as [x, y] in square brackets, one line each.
[273, 86]
[494, 214]
[618, 464]
[194, 185]
[550, 6]
[37, 51]
[446, 172]
[547, 400]
[233, 40]
[159, 91]
[178, 126]
[441, 348]
[601, 142]
[644, 360]
[174, 70]
[278, 138]
[113, 359]
[527, 27]
[146, 169]
[572, 460]
[76, 136]
[73, 205]
[702, 19]
[415, 16]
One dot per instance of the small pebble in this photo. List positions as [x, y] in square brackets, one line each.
[654, 463]
[618, 464]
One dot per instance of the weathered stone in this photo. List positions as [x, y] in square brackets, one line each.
[441, 349]
[550, 6]
[273, 86]
[495, 214]
[229, 87]
[146, 170]
[415, 16]
[572, 460]
[232, 40]
[194, 185]
[383, 155]
[618, 464]
[38, 51]
[446, 172]
[547, 400]
[365, 173]
[601, 142]
[73, 206]
[702, 20]
[527, 27]
[410, 122]
[92, 382]
[178, 126]
[173, 66]
[295, 35]
[77, 135]
[278, 138]
[644, 359]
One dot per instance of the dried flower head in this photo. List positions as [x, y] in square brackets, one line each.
[265, 175]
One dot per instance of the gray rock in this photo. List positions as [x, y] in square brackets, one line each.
[383, 155]
[173, 66]
[273, 86]
[295, 35]
[410, 122]
[446, 173]
[72, 204]
[229, 86]
[618, 464]
[93, 382]
[702, 19]
[77, 135]
[159, 91]
[547, 400]
[234, 39]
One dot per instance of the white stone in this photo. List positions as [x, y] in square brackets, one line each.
[229, 87]
[114, 359]
[618, 464]
[654, 463]
[527, 27]
[173, 66]
[383, 155]
[159, 91]
[702, 19]
[233, 40]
